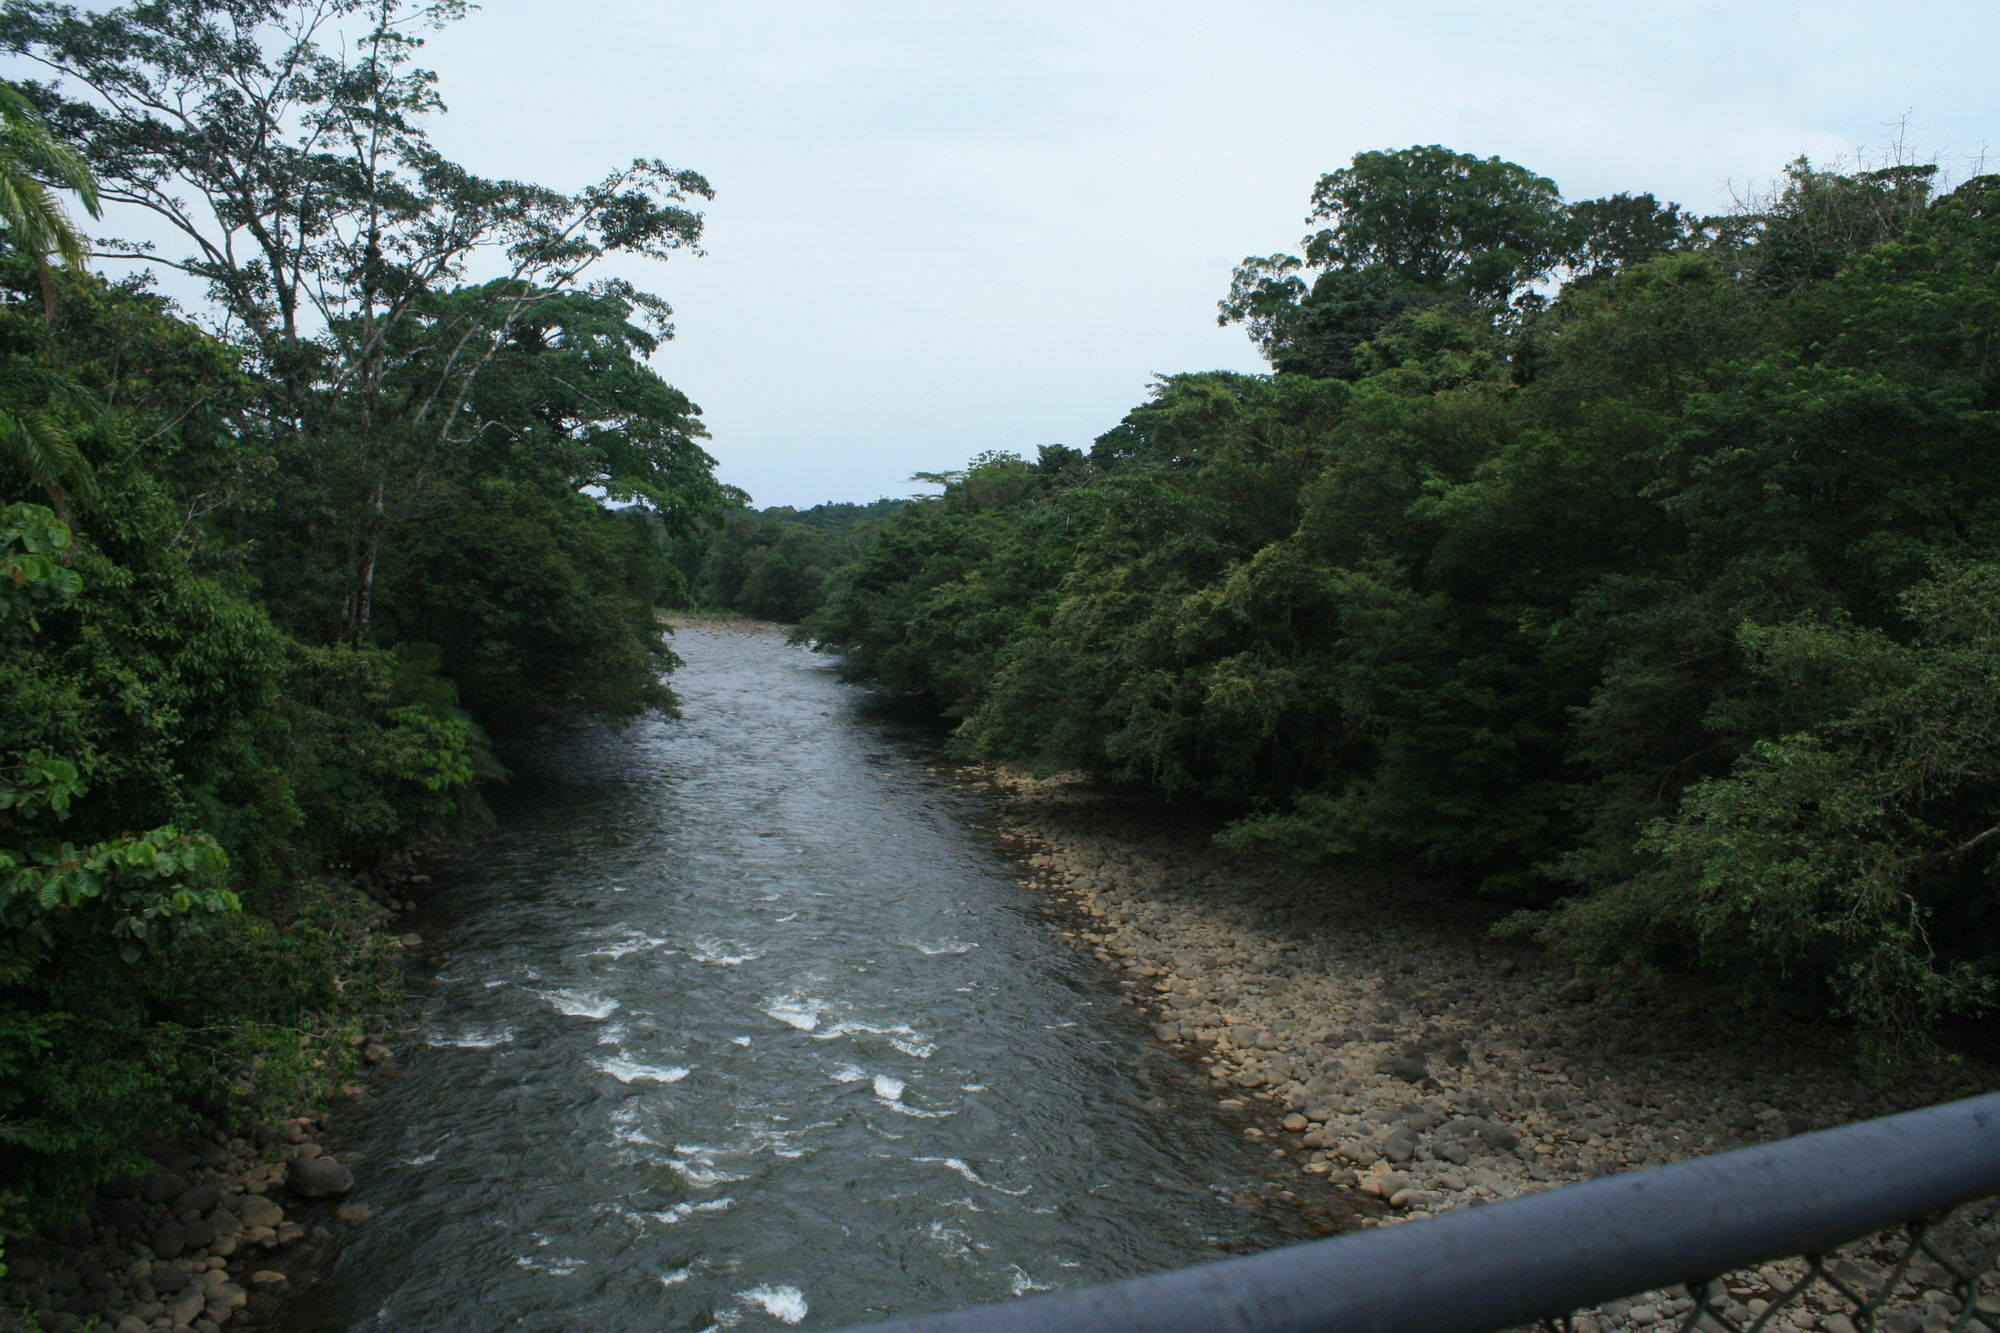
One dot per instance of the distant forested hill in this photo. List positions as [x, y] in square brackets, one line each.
[774, 563]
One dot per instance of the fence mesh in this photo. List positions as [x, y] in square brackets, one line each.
[1934, 1274]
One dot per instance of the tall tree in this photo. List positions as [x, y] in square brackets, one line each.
[1439, 220]
[297, 170]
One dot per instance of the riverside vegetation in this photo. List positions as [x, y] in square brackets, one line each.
[279, 578]
[1633, 566]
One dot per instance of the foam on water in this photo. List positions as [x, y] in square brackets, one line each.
[624, 1125]
[917, 1112]
[793, 1011]
[676, 1277]
[475, 1039]
[703, 1175]
[955, 1242]
[945, 946]
[1020, 1284]
[580, 1004]
[718, 954]
[785, 1304]
[627, 1071]
[889, 1091]
[554, 1267]
[681, 1212]
[901, 1036]
[421, 1159]
[971, 1175]
[632, 942]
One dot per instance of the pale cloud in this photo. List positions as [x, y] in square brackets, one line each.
[944, 228]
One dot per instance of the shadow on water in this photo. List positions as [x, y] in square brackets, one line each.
[743, 1020]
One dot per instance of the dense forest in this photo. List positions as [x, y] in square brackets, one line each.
[775, 563]
[1636, 567]
[280, 574]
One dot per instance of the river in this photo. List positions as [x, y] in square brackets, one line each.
[744, 1020]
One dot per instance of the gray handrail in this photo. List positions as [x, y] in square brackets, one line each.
[1542, 1255]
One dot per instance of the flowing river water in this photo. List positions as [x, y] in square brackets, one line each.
[745, 1021]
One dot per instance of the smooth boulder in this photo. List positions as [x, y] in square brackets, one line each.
[318, 1178]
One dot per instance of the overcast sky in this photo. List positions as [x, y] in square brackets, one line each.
[943, 228]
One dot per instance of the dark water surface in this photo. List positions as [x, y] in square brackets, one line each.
[746, 1023]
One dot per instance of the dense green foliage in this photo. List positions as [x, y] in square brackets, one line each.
[270, 578]
[775, 563]
[1639, 568]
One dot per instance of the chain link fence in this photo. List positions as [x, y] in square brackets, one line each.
[1932, 1275]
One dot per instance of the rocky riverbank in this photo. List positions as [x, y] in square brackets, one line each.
[1393, 1047]
[201, 1235]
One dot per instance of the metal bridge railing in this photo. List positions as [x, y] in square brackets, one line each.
[1889, 1225]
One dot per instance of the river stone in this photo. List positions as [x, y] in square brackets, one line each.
[168, 1279]
[121, 1187]
[187, 1307]
[1409, 1068]
[121, 1212]
[170, 1156]
[318, 1178]
[257, 1211]
[201, 1197]
[1399, 1148]
[161, 1186]
[169, 1239]
[199, 1233]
